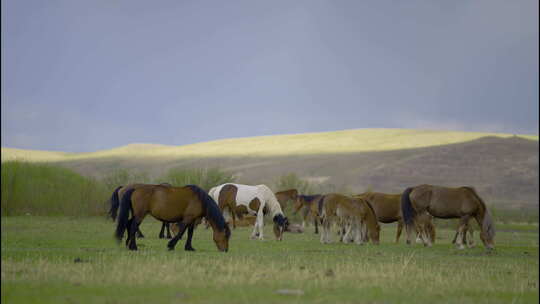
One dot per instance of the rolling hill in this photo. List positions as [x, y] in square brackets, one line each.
[502, 167]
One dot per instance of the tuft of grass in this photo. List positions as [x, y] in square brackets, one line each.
[43, 189]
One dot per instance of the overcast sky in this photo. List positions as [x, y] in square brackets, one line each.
[81, 76]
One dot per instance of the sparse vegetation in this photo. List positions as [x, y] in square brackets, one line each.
[205, 178]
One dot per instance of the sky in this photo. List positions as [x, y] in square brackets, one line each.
[81, 76]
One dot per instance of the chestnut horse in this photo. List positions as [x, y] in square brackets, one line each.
[257, 200]
[388, 210]
[115, 203]
[445, 202]
[355, 213]
[305, 203]
[185, 206]
[285, 196]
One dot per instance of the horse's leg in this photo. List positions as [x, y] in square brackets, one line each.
[323, 232]
[181, 229]
[128, 237]
[132, 231]
[168, 227]
[316, 226]
[462, 228]
[188, 246]
[418, 229]
[139, 233]
[425, 236]
[399, 229]
[471, 238]
[162, 231]
[259, 222]
[347, 237]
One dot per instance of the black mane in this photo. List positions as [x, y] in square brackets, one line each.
[309, 198]
[212, 212]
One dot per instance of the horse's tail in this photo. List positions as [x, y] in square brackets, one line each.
[125, 207]
[407, 209]
[115, 203]
[210, 207]
[487, 224]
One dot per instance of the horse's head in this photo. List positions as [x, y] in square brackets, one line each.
[221, 238]
[280, 226]
[487, 240]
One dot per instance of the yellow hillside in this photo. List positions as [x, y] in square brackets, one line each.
[358, 140]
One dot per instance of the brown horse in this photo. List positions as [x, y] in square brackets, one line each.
[285, 196]
[185, 206]
[305, 203]
[445, 202]
[388, 210]
[355, 213]
[115, 203]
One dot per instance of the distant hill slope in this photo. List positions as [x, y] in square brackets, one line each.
[503, 168]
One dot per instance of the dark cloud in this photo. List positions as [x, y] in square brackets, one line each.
[82, 76]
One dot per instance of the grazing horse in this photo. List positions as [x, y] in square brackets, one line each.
[445, 202]
[388, 210]
[304, 203]
[355, 213]
[185, 206]
[115, 203]
[285, 196]
[255, 200]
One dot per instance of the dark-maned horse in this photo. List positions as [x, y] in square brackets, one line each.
[115, 203]
[305, 203]
[446, 202]
[388, 210]
[285, 196]
[185, 206]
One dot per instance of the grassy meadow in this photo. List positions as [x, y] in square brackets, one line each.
[58, 247]
[76, 260]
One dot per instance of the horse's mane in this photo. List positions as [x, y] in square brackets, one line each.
[211, 208]
[309, 198]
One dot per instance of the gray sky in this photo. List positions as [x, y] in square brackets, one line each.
[88, 75]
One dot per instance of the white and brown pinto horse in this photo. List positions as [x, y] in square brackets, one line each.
[256, 200]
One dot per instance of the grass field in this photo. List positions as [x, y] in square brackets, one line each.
[76, 260]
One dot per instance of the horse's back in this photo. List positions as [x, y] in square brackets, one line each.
[445, 201]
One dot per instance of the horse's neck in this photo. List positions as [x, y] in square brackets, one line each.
[271, 201]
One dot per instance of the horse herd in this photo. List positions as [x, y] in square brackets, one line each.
[357, 217]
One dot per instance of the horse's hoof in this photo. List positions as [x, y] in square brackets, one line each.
[189, 249]
[170, 248]
[134, 248]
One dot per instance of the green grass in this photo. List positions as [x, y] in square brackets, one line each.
[43, 189]
[39, 254]
[346, 141]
